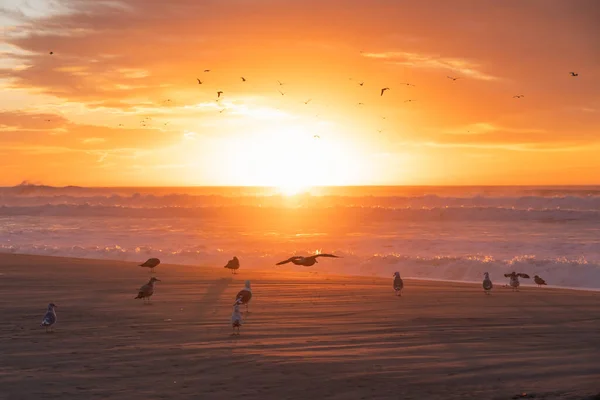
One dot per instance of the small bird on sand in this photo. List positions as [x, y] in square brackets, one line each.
[572, 73]
[383, 90]
[487, 283]
[151, 263]
[219, 93]
[398, 284]
[539, 281]
[244, 296]
[514, 279]
[147, 290]
[236, 320]
[305, 261]
[50, 318]
[233, 264]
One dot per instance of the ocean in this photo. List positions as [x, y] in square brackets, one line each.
[445, 233]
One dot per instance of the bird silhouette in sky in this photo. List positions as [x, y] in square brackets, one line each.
[452, 78]
[207, 70]
[407, 84]
[280, 83]
[199, 81]
[219, 93]
[383, 90]
[305, 261]
[243, 79]
[572, 73]
[518, 96]
[281, 92]
[307, 101]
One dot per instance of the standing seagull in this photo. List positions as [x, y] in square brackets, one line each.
[147, 290]
[50, 318]
[236, 319]
[398, 284]
[539, 281]
[305, 261]
[244, 296]
[383, 90]
[151, 263]
[233, 264]
[487, 283]
[514, 280]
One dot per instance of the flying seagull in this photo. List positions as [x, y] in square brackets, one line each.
[244, 296]
[305, 261]
[361, 83]
[398, 284]
[147, 290]
[51, 52]
[233, 264]
[539, 281]
[50, 318]
[572, 73]
[518, 96]
[280, 83]
[307, 101]
[514, 279]
[219, 93]
[453, 78]
[487, 283]
[243, 79]
[199, 81]
[317, 137]
[383, 90]
[409, 101]
[407, 84]
[361, 104]
[221, 111]
[207, 70]
[236, 320]
[151, 263]
[281, 92]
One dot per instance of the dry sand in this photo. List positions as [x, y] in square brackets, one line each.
[307, 336]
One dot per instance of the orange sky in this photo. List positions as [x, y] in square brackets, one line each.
[77, 116]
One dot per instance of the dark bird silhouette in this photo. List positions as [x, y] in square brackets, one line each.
[518, 96]
[383, 90]
[151, 263]
[305, 261]
[199, 81]
[398, 284]
[539, 281]
[219, 93]
[487, 283]
[409, 101]
[207, 70]
[453, 78]
[361, 104]
[361, 83]
[49, 318]
[221, 111]
[572, 73]
[280, 83]
[233, 265]
[307, 101]
[407, 84]
[281, 92]
[244, 296]
[243, 79]
[147, 290]
[51, 52]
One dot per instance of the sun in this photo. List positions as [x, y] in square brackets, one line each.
[292, 189]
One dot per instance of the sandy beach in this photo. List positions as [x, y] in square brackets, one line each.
[310, 336]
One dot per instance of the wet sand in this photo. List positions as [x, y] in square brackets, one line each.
[308, 336]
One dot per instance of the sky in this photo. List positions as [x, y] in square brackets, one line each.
[118, 103]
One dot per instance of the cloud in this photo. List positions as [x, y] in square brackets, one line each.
[464, 67]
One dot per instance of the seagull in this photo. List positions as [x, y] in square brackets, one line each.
[244, 296]
[407, 84]
[236, 319]
[453, 78]
[409, 101]
[572, 73]
[243, 79]
[379, 130]
[514, 279]
[398, 284]
[281, 92]
[487, 283]
[151, 263]
[51, 52]
[518, 96]
[317, 137]
[233, 264]
[361, 104]
[207, 70]
[305, 261]
[280, 83]
[307, 101]
[147, 290]
[219, 93]
[199, 81]
[361, 83]
[383, 90]
[539, 281]
[221, 111]
[50, 318]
